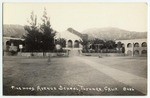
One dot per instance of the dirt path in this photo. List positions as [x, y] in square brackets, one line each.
[139, 83]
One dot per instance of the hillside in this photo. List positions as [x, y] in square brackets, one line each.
[108, 33]
[111, 33]
[13, 31]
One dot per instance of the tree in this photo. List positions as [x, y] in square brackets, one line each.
[33, 36]
[85, 44]
[48, 34]
[119, 46]
[13, 49]
[61, 41]
[100, 43]
[110, 44]
[39, 38]
[123, 49]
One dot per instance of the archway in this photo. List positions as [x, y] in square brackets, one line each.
[129, 52]
[136, 45]
[122, 45]
[129, 45]
[144, 44]
[7, 45]
[144, 52]
[136, 52]
[122, 48]
[76, 44]
[69, 43]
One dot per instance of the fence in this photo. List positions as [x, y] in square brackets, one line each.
[103, 54]
[40, 54]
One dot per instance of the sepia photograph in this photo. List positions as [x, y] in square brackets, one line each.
[74, 49]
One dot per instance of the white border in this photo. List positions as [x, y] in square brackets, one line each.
[1, 55]
[74, 0]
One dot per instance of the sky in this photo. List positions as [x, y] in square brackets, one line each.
[80, 16]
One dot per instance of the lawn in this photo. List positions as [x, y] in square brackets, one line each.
[67, 72]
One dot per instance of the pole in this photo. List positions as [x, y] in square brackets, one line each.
[20, 50]
[49, 59]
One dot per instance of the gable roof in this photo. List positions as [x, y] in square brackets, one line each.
[82, 36]
[71, 30]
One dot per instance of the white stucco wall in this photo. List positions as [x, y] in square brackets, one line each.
[69, 36]
[133, 41]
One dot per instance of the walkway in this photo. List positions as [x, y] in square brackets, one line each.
[139, 83]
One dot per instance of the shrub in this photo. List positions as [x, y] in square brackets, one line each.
[13, 50]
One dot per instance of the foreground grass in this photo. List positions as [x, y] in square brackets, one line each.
[67, 72]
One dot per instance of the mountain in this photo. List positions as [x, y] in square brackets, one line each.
[108, 33]
[13, 31]
[112, 33]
